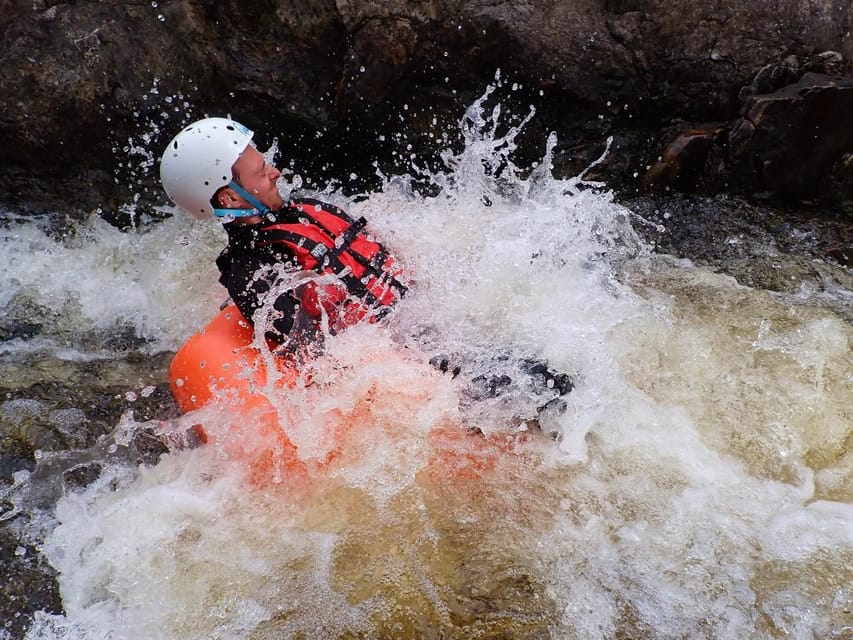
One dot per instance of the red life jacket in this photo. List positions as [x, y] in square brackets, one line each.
[323, 238]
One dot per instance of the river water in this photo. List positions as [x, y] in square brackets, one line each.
[698, 483]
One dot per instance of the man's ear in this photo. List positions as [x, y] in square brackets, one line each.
[226, 198]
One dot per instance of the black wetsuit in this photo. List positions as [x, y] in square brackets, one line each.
[306, 234]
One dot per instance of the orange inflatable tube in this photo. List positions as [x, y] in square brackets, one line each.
[219, 365]
[215, 360]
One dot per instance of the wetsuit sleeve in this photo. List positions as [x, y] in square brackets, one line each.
[244, 278]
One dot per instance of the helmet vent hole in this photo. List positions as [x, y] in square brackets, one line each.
[175, 144]
[230, 128]
[206, 183]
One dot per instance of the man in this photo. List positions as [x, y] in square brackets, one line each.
[211, 168]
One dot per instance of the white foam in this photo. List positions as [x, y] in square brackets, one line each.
[683, 498]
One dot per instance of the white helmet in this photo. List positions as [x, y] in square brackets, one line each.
[198, 161]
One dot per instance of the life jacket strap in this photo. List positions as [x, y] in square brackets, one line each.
[329, 257]
[344, 239]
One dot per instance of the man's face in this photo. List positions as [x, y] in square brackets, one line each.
[258, 178]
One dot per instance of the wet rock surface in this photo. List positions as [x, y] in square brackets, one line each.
[759, 246]
[28, 585]
[93, 90]
[54, 421]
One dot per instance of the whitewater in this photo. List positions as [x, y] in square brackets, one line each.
[697, 483]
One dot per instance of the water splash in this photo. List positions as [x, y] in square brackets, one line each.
[137, 157]
[146, 272]
[698, 486]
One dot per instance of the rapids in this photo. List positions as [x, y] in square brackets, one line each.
[698, 484]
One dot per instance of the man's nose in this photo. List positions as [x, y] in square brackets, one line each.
[274, 173]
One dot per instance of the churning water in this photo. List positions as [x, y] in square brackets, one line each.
[698, 483]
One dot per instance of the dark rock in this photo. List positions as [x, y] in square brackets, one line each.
[93, 90]
[791, 140]
[71, 405]
[791, 145]
[843, 254]
[841, 178]
[29, 585]
[683, 161]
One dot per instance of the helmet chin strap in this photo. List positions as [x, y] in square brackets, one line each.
[259, 208]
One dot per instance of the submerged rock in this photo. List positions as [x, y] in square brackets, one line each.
[783, 252]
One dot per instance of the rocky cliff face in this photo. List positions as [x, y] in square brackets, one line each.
[719, 96]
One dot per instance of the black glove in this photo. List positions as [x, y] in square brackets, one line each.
[442, 363]
[559, 382]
